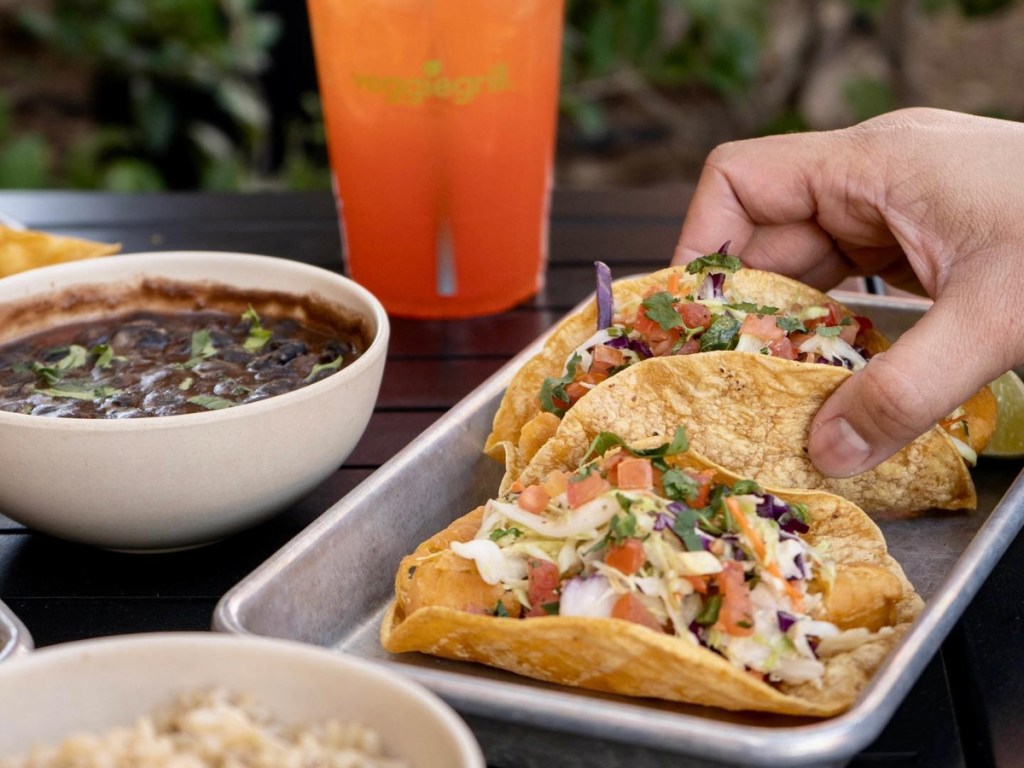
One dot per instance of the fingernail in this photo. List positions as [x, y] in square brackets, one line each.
[837, 450]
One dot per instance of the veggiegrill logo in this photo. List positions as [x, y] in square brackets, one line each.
[433, 84]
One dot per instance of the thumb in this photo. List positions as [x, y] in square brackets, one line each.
[901, 393]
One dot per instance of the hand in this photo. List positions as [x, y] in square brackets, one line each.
[927, 199]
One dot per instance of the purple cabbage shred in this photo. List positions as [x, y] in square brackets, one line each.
[712, 287]
[604, 295]
[775, 509]
[786, 620]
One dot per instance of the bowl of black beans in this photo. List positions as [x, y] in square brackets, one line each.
[166, 400]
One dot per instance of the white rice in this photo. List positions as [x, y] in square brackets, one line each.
[214, 730]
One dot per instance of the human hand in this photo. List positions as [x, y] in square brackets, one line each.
[928, 200]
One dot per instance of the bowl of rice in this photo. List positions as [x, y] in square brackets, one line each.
[168, 700]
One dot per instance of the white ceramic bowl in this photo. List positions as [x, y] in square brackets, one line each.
[166, 482]
[95, 685]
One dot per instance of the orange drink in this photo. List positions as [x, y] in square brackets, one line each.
[440, 119]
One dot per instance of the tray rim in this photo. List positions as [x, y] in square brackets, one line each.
[835, 739]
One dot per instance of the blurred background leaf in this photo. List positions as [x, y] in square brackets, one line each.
[139, 95]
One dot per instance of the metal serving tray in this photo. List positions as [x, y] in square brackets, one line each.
[14, 638]
[331, 585]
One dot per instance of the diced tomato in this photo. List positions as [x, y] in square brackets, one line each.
[533, 499]
[643, 324]
[762, 327]
[835, 314]
[583, 384]
[606, 358]
[542, 585]
[635, 474]
[848, 333]
[699, 583]
[627, 557]
[694, 315]
[864, 322]
[783, 348]
[631, 608]
[796, 339]
[736, 616]
[555, 482]
[610, 466]
[703, 480]
[689, 347]
[581, 490]
[663, 342]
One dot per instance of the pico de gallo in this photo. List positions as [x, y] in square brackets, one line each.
[668, 322]
[647, 538]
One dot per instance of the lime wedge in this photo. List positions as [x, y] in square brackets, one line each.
[1008, 440]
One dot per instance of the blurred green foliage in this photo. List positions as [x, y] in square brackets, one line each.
[177, 101]
[176, 90]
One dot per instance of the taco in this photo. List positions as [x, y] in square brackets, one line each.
[752, 414]
[651, 572]
[710, 305]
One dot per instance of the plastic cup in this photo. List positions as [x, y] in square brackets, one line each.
[440, 118]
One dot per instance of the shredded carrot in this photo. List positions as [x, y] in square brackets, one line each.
[740, 517]
[673, 283]
[760, 552]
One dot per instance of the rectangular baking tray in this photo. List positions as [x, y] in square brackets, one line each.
[332, 583]
[14, 638]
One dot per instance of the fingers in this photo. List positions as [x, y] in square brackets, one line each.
[904, 391]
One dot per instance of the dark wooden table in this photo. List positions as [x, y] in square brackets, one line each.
[966, 710]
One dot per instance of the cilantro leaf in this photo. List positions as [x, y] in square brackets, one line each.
[790, 324]
[104, 355]
[743, 487]
[75, 358]
[685, 528]
[607, 440]
[716, 261]
[319, 368]
[551, 609]
[622, 527]
[753, 309]
[678, 485]
[554, 389]
[828, 331]
[500, 611]
[709, 613]
[723, 333]
[658, 308]
[799, 511]
[79, 391]
[500, 533]
[211, 403]
[202, 348]
[258, 335]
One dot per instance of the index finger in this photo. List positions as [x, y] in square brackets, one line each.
[747, 184]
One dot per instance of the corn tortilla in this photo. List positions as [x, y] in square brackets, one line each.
[621, 657]
[752, 414]
[21, 250]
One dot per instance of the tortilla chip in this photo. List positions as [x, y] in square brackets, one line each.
[520, 403]
[21, 250]
[752, 414]
[624, 658]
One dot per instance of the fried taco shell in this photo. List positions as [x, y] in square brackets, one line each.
[752, 414]
[21, 250]
[441, 609]
[522, 425]
[520, 405]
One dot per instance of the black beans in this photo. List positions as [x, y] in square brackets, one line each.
[151, 364]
